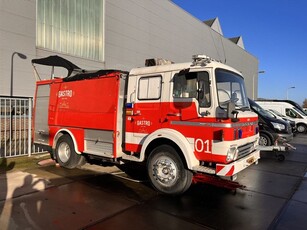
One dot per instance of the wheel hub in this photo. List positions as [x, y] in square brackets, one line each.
[301, 129]
[165, 171]
[263, 141]
[64, 152]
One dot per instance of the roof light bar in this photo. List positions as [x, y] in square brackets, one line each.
[201, 60]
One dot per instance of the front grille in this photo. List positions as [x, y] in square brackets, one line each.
[246, 149]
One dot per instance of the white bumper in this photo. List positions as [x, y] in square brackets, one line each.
[237, 166]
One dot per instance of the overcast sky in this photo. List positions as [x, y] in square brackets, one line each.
[274, 31]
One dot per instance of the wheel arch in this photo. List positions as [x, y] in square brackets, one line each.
[175, 139]
[270, 135]
[62, 132]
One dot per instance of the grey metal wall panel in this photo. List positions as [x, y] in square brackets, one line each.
[99, 142]
[98, 135]
[134, 30]
[41, 132]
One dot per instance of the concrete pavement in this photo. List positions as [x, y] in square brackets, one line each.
[51, 197]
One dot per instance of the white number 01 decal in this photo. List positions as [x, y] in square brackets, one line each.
[202, 146]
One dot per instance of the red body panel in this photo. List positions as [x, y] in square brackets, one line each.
[183, 117]
[78, 104]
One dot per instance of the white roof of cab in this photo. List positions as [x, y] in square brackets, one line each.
[151, 70]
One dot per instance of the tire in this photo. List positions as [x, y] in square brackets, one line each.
[281, 157]
[65, 153]
[265, 140]
[166, 171]
[301, 128]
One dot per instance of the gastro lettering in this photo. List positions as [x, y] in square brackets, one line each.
[143, 123]
[65, 93]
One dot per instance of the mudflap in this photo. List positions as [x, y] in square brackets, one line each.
[216, 181]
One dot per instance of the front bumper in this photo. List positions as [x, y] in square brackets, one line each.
[238, 165]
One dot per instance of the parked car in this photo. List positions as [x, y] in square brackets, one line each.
[271, 129]
[289, 109]
[278, 115]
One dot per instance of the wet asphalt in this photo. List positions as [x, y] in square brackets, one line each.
[51, 197]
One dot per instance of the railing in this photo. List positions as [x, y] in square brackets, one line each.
[15, 126]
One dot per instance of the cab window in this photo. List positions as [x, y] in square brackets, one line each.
[150, 88]
[193, 85]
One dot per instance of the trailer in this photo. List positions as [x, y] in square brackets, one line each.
[279, 147]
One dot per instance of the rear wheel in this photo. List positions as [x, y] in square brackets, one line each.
[281, 157]
[265, 140]
[65, 153]
[167, 172]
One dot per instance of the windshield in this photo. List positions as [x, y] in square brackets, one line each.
[299, 111]
[272, 113]
[230, 88]
[258, 109]
[277, 113]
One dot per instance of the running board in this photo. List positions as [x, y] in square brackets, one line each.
[203, 169]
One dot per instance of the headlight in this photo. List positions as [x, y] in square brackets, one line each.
[255, 145]
[232, 153]
[278, 126]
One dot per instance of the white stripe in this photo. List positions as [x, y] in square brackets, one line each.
[138, 138]
[135, 138]
[225, 170]
[214, 124]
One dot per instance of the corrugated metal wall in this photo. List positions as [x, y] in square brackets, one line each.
[133, 31]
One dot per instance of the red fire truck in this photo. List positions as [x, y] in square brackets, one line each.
[178, 120]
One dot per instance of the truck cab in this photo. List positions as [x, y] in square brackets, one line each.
[199, 109]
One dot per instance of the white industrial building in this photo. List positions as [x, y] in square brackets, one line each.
[105, 34]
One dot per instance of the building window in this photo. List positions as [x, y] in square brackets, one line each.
[72, 27]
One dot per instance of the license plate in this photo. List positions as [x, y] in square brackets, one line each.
[250, 160]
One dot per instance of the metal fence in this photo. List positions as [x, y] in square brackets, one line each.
[15, 126]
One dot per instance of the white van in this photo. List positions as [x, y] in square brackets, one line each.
[289, 110]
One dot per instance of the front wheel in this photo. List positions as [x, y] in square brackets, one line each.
[166, 171]
[65, 153]
[301, 128]
[265, 140]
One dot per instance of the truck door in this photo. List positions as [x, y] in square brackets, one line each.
[147, 105]
[143, 109]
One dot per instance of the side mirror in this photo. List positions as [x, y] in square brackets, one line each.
[231, 111]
